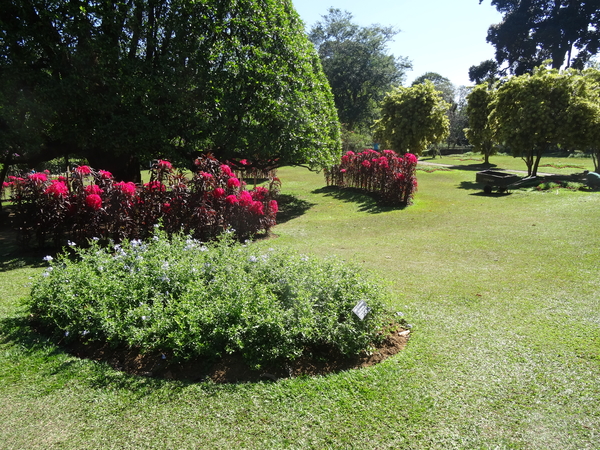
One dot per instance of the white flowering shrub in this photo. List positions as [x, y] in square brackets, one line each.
[192, 299]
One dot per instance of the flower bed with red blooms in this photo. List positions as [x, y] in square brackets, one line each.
[90, 204]
[390, 176]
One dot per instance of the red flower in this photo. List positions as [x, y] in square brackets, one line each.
[257, 208]
[38, 177]
[57, 189]
[94, 201]
[343, 170]
[155, 186]
[273, 206]
[233, 182]
[245, 198]
[164, 165]
[259, 193]
[231, 199]
[226, 170]
[411, 158]
[83, 170]
[206, 175]
[5, 184]
[366, 164]
[105, 175]
[219, 192]
[128, 188]
[244, 162]
[93, 189]
[61, 178]
[166, 207]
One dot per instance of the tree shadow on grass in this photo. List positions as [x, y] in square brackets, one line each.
[12, 256]
[473, 186]
[367, 202]
[291, 207]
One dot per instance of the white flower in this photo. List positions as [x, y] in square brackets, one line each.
[136, 242]
[66, 333]
[45, 274]
[144, 317]
[95, 238]
[85, 332]
[48, 258]
[253, 258]
[204, 248]
[71, 243]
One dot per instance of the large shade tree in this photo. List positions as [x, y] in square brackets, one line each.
[412, 118]
[357, 64]
[122, 82]
[533, 31]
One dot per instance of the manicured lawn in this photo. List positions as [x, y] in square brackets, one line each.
[502, 292]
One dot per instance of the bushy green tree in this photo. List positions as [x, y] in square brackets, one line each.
[122, 82]
[480, 132]
[531, 113]
[412, 118]
[358, 66]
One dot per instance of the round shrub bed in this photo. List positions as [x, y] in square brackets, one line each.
[191, 299]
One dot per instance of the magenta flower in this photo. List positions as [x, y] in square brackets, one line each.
[245, 198]
[259, 193]
[128, 188]
[233, 183]
[231, 199]
[206, 176]
[105, 174]
[83, 170]
[57, 189]
[164, 165]
[366, 164]
[155, 186]
[219, 192]
[411, 158]
[244, 162]
[94, 201]
[257, 208]
[226, 170]
[166, 207]
[93, 189]
[273, 206]
[38, 177]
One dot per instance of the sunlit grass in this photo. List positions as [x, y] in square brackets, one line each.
[501, 290]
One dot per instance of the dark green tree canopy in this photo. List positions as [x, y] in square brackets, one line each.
[357, 64]
[441, 83]
[533, 31]
[120, 82]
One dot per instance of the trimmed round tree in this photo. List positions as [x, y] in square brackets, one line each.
[412, 118]
[480, 133]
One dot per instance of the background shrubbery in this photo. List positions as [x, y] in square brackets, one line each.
[89, 203]
[386, 174]
[192, 299]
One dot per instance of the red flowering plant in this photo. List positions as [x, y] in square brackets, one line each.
[91, 204]
[386, 174]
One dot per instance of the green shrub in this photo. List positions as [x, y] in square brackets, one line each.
[194, 299]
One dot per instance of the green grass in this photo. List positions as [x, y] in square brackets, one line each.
[502, 292]
[548, 164]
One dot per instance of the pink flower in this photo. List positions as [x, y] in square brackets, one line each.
[105, 174]
[244, 162]
[166, 207]
[343, 170]
[231, 199]
[94, 201]
[411, 158]
[350, 153]
[57, 189]
[219, 192]
[205, 175]
[259, 193]
[273, 206]
[400, 176]
[164, 165]
[61, 178]
[38, 177]
[366, 164]
[389, 152]
[245, 198]
[257, 208]
[155, 186]
[128, 188]
[233, 183]
[93, 189]
[226, 170]
[6, 185]
[83, 170]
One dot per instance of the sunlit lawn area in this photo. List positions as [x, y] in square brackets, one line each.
[501, 290]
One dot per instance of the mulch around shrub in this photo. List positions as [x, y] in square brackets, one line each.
[232, 368]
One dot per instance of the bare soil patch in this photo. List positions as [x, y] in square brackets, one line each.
[232, 368]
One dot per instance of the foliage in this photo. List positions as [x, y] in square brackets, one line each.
[485, 72]
[441, 83]
[119, 83]
[412, 118]
[90, 204]
[391, 177]
[533, 31]
[357, 64]
[191, 299]
[480, 132]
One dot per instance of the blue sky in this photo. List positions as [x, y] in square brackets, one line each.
[443, 36]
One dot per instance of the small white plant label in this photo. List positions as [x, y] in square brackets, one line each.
[361, 309]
